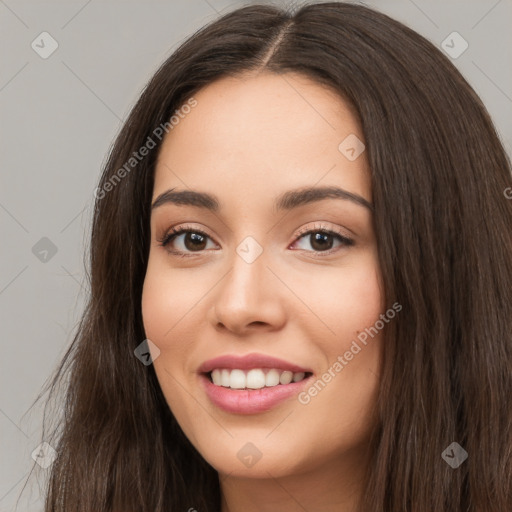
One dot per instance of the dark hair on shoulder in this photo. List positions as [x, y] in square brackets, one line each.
[444, 233]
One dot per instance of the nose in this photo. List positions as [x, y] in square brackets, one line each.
[248, 298]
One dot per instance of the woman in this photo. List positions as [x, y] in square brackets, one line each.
[341, 338]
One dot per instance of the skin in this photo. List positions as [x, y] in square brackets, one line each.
[248, 140]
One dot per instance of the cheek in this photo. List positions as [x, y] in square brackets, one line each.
[346, 300]
[359, 299]
[164, 307]
[150, 304]
[350, 303]
[163, 311]
[166, 298]
[358, 327]
[156, 298]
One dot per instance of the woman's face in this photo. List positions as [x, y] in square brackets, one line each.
[247, 280]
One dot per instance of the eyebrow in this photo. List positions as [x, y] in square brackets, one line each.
[286, 201]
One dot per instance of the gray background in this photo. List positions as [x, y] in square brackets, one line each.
[58, 118]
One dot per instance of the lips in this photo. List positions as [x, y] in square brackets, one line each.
[252, 401]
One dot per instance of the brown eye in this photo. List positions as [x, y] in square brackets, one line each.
[194, 241]
[185, 240]
[323, 240]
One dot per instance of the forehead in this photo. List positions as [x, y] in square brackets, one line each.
[262, 134]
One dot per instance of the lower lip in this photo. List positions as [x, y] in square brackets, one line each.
[250, 401]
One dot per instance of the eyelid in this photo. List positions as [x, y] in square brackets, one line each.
[347, 241]
[323, 227]
[180, 229]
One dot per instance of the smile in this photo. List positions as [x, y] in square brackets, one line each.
[256, 378]
[252, 383]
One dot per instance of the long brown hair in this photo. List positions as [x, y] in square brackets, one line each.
[443, 227]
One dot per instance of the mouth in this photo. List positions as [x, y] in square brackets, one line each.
[255, 378]
[246, 393]
[252, 383]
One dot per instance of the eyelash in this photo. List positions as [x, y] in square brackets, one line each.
[170, 235]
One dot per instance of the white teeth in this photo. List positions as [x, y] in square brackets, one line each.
[298, 376]
[253, 379]
[216, 377]
[224, 381]
[237, 379]
[272, 378]
[286, 377]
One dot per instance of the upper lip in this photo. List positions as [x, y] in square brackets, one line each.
[248, 362]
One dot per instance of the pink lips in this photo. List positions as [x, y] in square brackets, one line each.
[249, 401]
